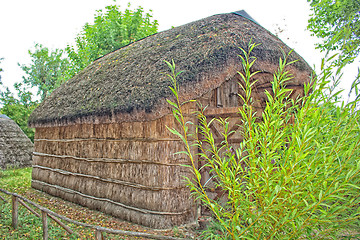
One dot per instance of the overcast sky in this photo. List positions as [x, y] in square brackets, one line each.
[55, 23]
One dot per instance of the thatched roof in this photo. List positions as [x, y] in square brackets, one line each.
[130, 84]
[15, 147]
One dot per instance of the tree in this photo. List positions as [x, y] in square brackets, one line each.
[111, 30]
[48, 69]
[333, 17]
[18, 108]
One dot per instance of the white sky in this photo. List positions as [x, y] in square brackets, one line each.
[56, 23]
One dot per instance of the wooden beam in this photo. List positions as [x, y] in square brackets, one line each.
[29, 208]
[64, 226]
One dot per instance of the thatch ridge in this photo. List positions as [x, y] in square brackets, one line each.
[129, 84]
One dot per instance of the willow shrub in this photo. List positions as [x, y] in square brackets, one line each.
[296, 172]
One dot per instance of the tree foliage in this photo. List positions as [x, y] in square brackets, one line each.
[47, 70]
[19, 107]
[112, 29]
[331, 17]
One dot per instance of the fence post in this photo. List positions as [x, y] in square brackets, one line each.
[45, 225]
[15, 211]
[98, 234]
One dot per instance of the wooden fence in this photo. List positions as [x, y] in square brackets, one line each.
[46, 213]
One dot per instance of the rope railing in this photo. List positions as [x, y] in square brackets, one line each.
[46, 213]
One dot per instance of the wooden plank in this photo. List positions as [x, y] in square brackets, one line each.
[230, 141]
[212, 98]
[218, 98]
[234, 94]
[211, 112]
[15, 211]
[214, 111]
[215, 130]
[45, 226]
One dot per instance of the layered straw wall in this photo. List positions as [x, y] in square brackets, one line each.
[128, 170]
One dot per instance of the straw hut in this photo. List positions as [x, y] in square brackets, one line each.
[15, 147]
[101, 138]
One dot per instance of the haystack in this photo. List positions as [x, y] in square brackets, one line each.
[101, 138]
[15, 147]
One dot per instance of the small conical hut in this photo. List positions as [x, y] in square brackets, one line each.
[15, 147]
[101, 138]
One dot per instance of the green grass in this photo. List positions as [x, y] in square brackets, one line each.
[19, 181]
[30, 227]
[15, 180]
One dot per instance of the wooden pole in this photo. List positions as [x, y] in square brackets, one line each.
[29, 208]
[3, 199]
[15, 212]
[45, 225]
[64, 226]
[98, 234]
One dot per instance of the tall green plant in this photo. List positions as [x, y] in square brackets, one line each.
[295, 173]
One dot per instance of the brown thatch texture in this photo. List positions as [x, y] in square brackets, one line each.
[129, 84]
[125, 169]
[15, 147]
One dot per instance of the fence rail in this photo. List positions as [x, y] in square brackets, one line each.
[46, 213]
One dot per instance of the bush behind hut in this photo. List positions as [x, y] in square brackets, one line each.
[296, 172]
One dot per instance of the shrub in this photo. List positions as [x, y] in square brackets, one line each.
[296, 172]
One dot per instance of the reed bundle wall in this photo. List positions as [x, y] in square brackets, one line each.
[128, 170]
